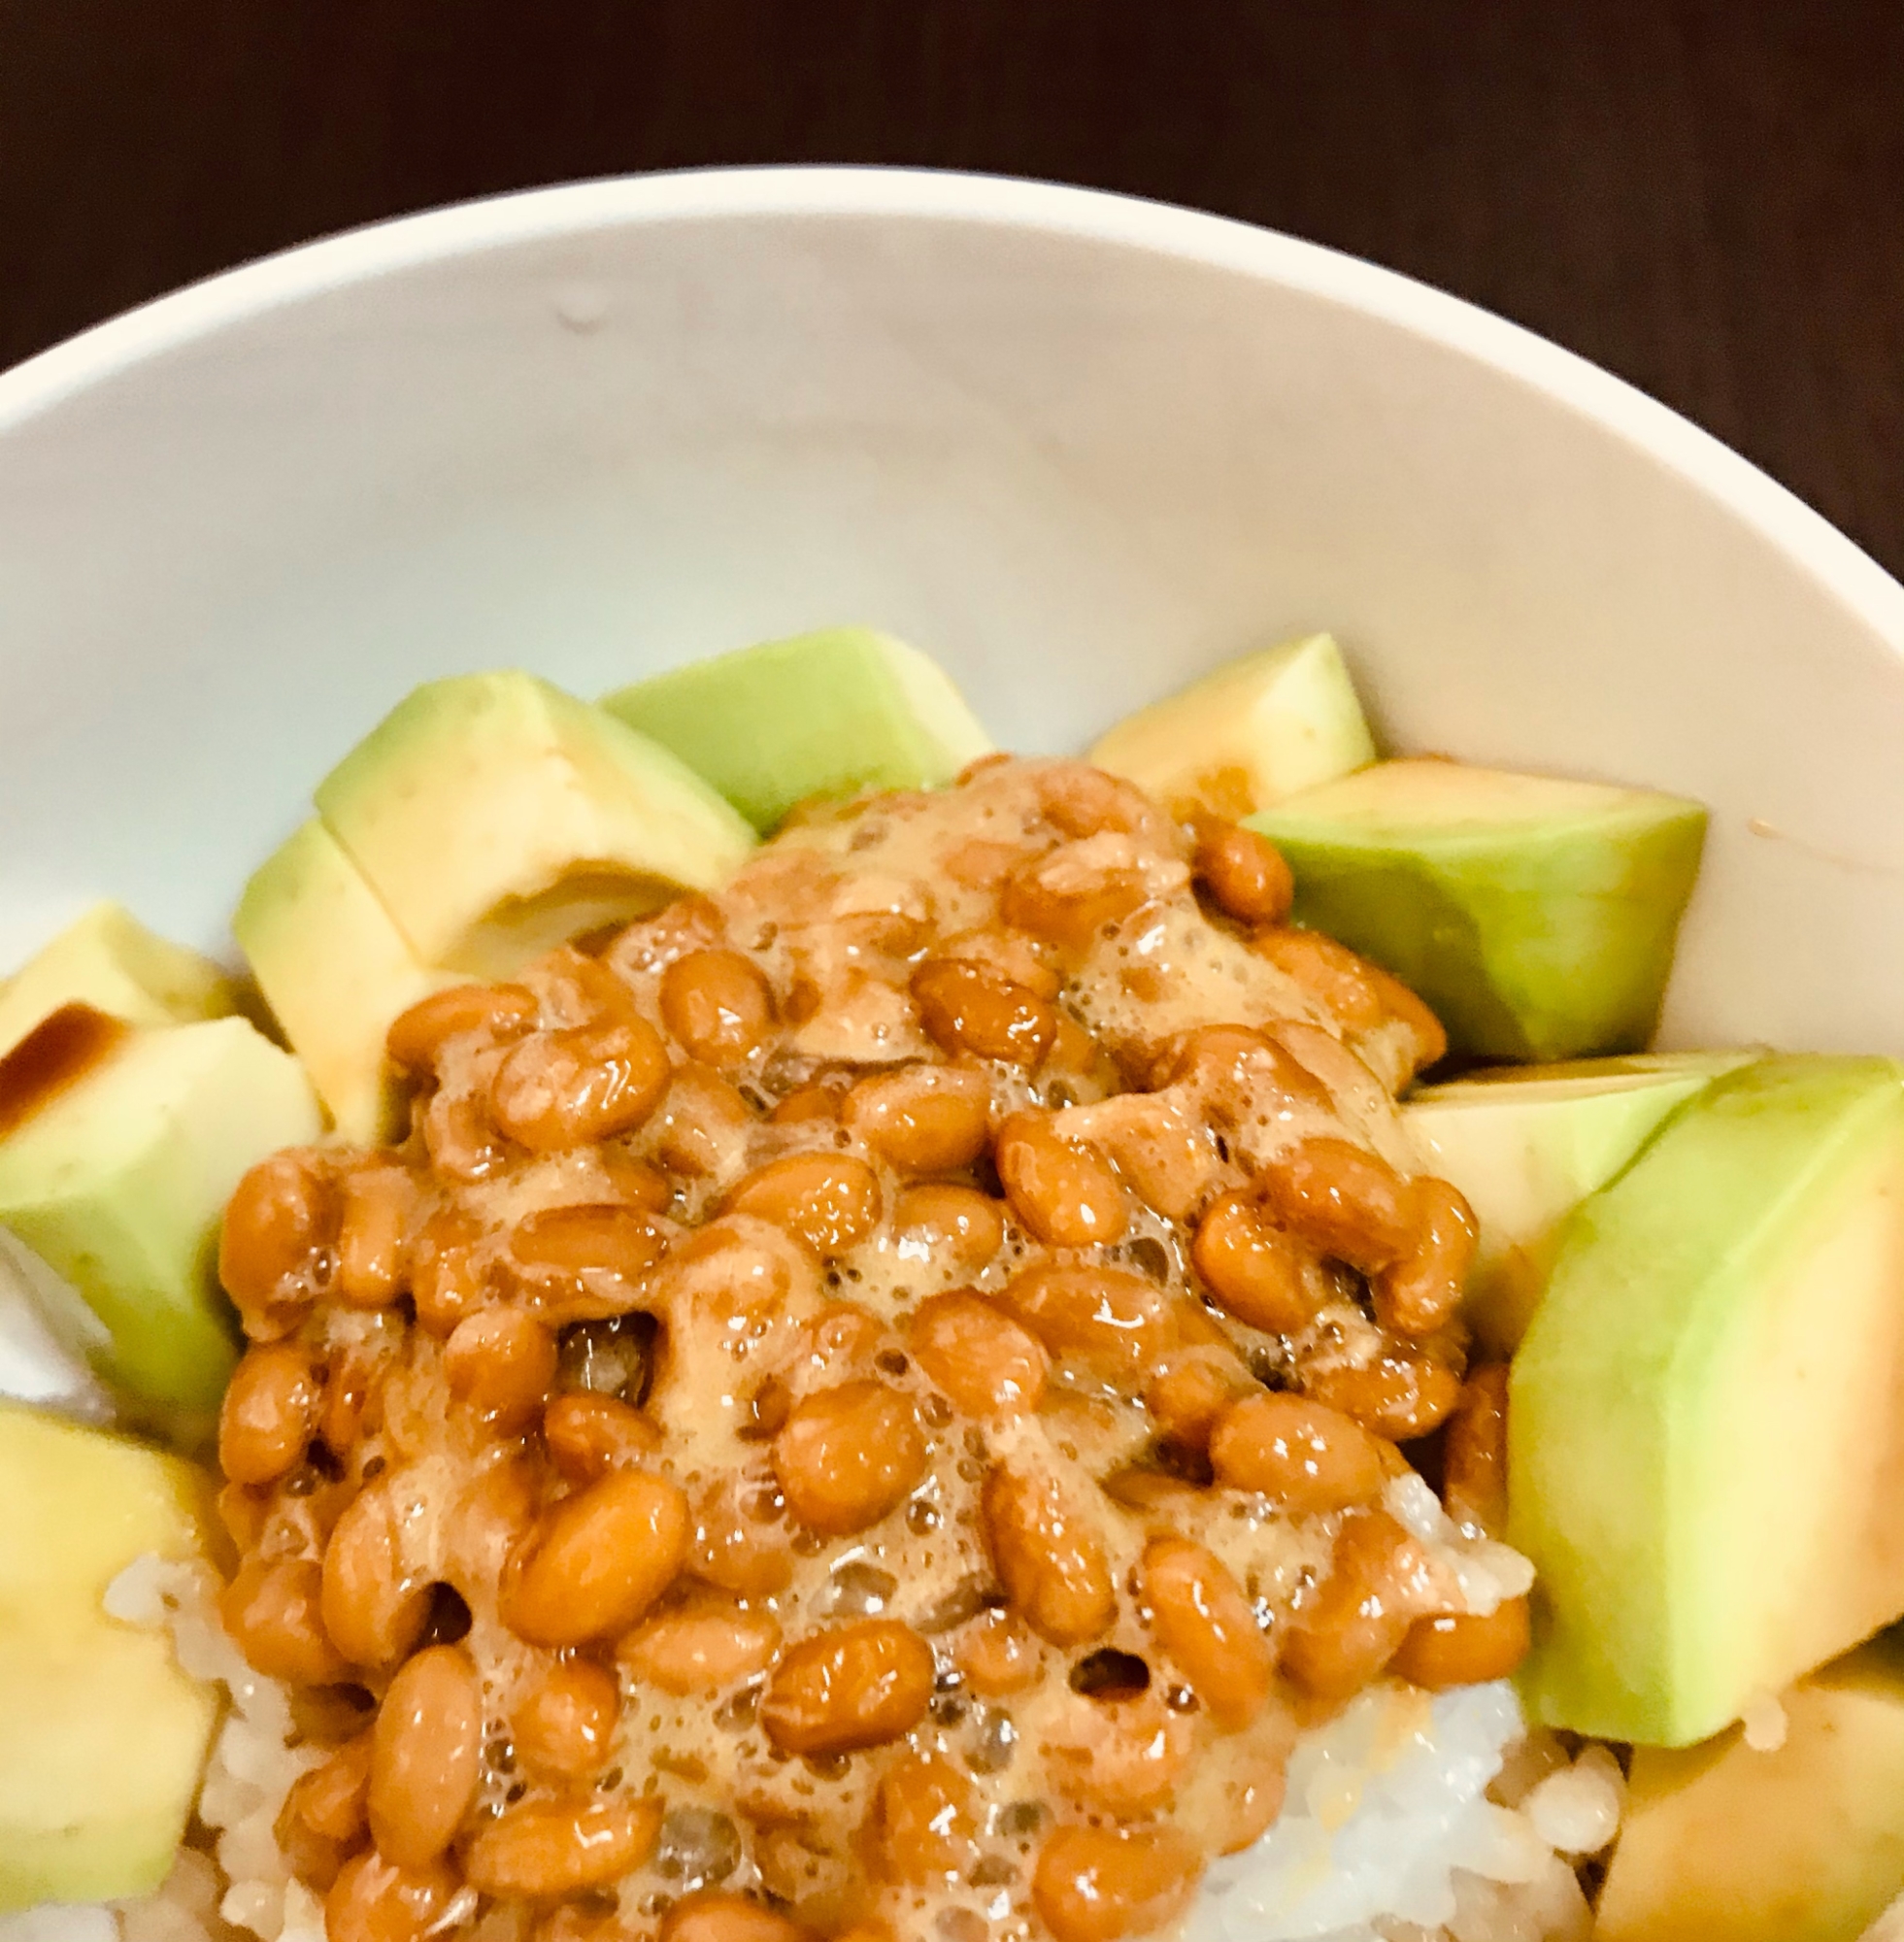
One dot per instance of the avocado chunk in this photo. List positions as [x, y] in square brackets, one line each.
[110, 960]
[1536, 916]
[836, 713]
[1240, 740]
[1526, 1144]
[1803, 1843]
[335, 971]
[1706, 1418]
[117, 1184]
[494, 817]
[102, 1736]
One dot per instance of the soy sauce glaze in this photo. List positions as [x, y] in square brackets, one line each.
[52, 1059]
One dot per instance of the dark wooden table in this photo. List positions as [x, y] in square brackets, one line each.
[1705, 195]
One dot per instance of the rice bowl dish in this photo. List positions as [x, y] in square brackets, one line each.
[860, 1338]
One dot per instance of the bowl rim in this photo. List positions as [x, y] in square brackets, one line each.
[1803, 535]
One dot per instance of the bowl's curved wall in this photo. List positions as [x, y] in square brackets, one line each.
[1081, 448]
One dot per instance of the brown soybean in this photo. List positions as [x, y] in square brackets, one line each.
[586, 1082]
[925, 1818]
[1474, 1452]
[921, 1118]
[729, 1550]
[967, 1007]
[1452, 1649]
[543, 1850]
[280, 1216]
[1243, 872]
[1333, 975]
[1100, 1884]
[374, 1900]
[1306, 1457]
[1082, 801]
[272, 1612]
[717, 1004]
[1208, 1628]
[712, 1915]
[1010, 955]
[500, 1361]
[700, 1648]
[1061, 1190]
[848, 1455]
[596, 1560]
[1050, 1561]
[1188, 1396]
[831, 1202]
[1251, 1266]
[379, 1203]
[1401, 1395]
[985, 1362]
[587, 1435]
[447, 1282]
[702, 1123]
[942, 1223]
[639, 1182]
[1380, 1583]
[374, 1605]
[1067, 896]
[494, 1012]
[1119, 1322]
[270, 1412]
[426, 1756]
[331, 1799]
[815, 1100]
[1345, 1201]
[853, 1686]
[1420, 1292]
[564, 1723]
[588, 1256]
[999, 1655]
[579, 989]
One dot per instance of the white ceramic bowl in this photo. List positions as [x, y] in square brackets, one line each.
[1081, 448]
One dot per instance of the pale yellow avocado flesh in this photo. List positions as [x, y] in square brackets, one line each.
[493, 816]
[1240, 740]
[110, 960]
[1526, 1144]
[335, 971]
[1706, 1425]
[102, 1736]
[119, 1185]
[832, 713]
[1803, 1843]
[1535, 916]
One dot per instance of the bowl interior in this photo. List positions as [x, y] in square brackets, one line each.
[1079, 449]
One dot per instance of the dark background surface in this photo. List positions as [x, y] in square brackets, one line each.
[1708, 198]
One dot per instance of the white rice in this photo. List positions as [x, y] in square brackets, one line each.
[252, 1768]
[1409, 1818]
[1389, 1831]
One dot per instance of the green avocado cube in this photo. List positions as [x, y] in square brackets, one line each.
[102, 1736]
[493, 817]
[832, 713]
[1526, 1144]
[1801, 1842]
[1259, 730]
[1536, 916]
[335, 971]
[118, 1183]
[110, 960]
[1706, 1418]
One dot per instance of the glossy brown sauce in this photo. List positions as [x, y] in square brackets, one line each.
[60, 1050]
